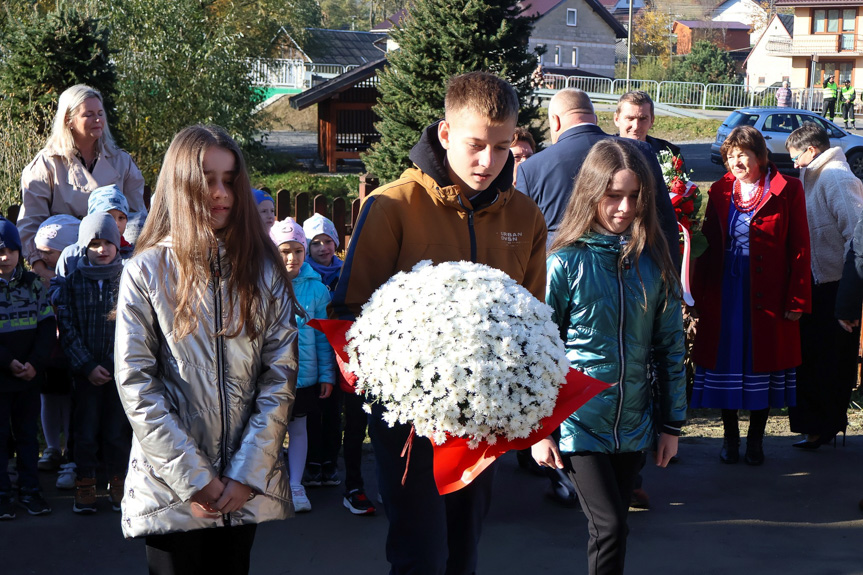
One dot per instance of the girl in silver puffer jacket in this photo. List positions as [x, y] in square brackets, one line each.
[206, 363]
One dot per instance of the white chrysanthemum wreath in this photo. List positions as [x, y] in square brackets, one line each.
[460, 349]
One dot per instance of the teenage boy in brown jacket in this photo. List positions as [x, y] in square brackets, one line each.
[457, 203]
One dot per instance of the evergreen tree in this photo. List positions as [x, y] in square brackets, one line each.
[47, 53]
[706, 63]
[439, 39]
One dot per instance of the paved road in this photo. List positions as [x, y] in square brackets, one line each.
[796, 515]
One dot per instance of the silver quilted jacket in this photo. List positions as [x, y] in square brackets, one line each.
[204, 406]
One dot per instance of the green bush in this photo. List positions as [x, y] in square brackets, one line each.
[296, 182]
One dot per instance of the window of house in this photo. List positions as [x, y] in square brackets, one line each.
[575, 57]
[761, 80]
[557, 55]
[571, 17]
[540, 50]
[834, 20]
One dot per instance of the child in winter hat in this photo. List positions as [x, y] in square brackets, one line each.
[323, 241]
[54, 235]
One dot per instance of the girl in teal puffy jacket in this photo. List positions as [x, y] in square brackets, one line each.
[316, 372]
[614, 292]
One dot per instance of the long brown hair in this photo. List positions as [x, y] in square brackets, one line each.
[605, 159]
[181, 210]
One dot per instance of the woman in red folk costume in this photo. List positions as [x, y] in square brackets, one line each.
[751, 286]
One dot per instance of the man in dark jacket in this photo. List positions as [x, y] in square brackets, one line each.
[635, 116]
[548, 176]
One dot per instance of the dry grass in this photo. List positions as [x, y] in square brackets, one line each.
[21, 141]
[284, 117]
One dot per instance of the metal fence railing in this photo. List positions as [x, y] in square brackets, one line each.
[691, 94]
[590, 84]
[681, 94]
[622, 86]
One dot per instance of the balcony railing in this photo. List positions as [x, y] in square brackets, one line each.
[806, 45]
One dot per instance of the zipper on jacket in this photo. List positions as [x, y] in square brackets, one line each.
[621, 325]
[470, 227]
[220, 363]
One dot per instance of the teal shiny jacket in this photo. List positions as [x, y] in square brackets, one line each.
[599, 308]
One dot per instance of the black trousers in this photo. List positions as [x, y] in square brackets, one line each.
[848, 111]
[325, 430]
[429, 533]
[829, 110]
[604, 482]
[828, 373]
[216, 551]
[356, 421]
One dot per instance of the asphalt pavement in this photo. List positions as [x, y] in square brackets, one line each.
[795, 515]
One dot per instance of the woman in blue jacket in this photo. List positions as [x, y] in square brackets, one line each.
[614, 292]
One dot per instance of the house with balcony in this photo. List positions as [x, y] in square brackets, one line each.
[827, 40]
[762, 67]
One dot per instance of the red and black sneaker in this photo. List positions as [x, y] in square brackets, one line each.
[358, 504]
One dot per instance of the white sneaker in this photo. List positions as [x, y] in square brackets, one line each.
[301, 501]
[67, 476]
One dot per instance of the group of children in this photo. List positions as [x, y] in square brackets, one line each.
[60, 340]
[315, 428]
[73, 363]
[211, 363]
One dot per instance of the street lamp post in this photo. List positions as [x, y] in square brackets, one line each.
[629, 47]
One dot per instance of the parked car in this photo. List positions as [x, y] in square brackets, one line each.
[776, 123]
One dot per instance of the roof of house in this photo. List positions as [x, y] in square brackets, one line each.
[787, 21]
[390, 22]
[336, 85]
[542, 7]
[723, 2]
[345, 47]
[712, 24]
[807, 3]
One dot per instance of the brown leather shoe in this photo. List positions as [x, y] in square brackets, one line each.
[115, 491]
[85, 496]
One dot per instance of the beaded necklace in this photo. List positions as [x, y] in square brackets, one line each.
[747, 205]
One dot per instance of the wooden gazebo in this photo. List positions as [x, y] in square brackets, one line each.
[345, 118]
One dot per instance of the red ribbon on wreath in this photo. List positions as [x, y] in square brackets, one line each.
[455, 464]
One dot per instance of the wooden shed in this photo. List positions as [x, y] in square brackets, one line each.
[345, 118]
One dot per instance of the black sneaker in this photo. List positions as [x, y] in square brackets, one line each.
[33, 502]
[329, 475]
[357, 503]
[7, 510]
[312, 476]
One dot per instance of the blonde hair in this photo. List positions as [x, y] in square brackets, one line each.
[181, 210]
[606, 158]
[61, 135]
[482, 93]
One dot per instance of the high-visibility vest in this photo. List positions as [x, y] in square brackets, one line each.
[848, 94]
[829, 90]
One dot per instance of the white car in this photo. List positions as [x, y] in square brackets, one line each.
[776, 123]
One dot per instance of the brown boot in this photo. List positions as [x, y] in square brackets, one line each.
[115, 491]
[85, 496]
